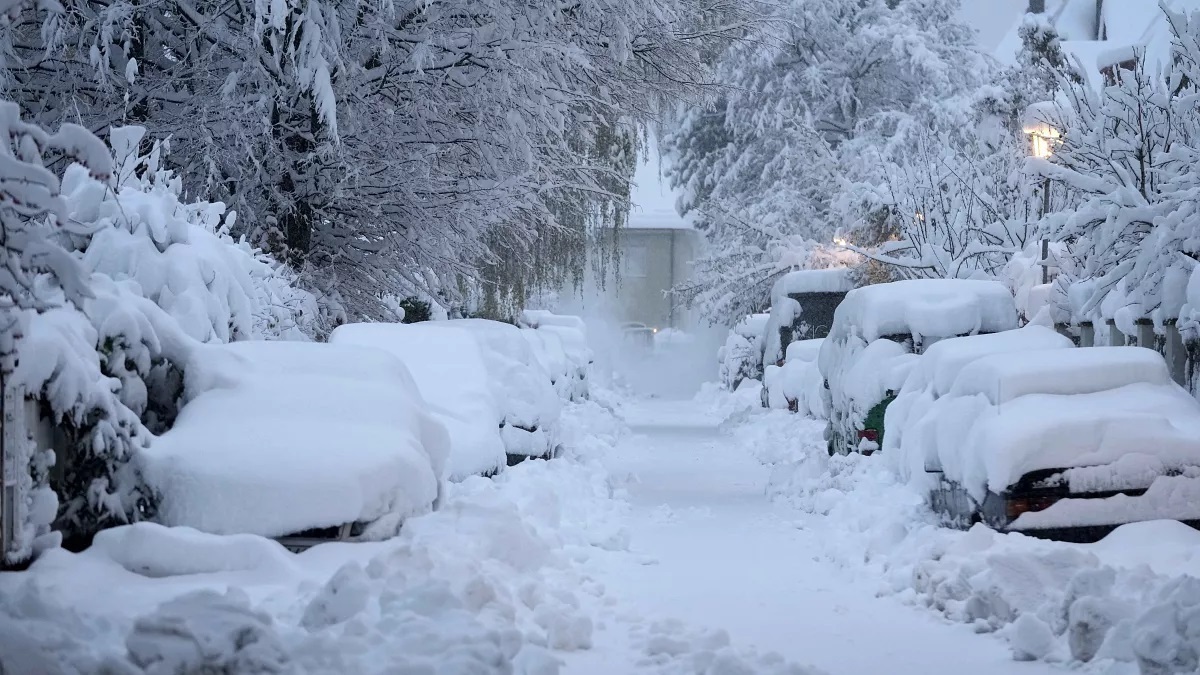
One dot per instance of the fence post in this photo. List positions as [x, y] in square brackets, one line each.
[1145, 333]
[1087, 334]
[1115, 337]
[1175, 352]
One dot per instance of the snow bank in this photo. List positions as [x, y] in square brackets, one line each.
[277, 438]
[1123, 604]
[489, 584]
[450, 374]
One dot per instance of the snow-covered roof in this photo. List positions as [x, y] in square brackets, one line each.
[1124, 25]
[652, 199]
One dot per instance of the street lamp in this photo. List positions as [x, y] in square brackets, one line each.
[1042, 139]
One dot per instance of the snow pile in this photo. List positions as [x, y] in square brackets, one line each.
[797, 385]
[450, 373]
[277, 437]
[878, 329]
[568, 333]
[527, 401]
[741, 357]
[486, 584]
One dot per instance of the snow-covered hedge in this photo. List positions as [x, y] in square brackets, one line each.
[143, 278]
[451, 374]
[741, 357]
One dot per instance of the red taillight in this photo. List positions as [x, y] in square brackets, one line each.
[1015, 506]
[868, 435]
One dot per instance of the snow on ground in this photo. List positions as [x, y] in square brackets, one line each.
[706, 536]
[1128, 604]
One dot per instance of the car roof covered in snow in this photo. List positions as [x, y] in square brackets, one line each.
[944, 360]
[937, 308]
[833, 280]
[1004, 377]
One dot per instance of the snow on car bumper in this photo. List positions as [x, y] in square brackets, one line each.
[1083, 518]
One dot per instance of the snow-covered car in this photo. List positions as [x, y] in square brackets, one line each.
[571, 333]
[803, 305]
[741, 357]
[797, 385]
[449, 370]
[877, 336]
[528, 406]
[297, 440]
[552, 355]
[1060, 443]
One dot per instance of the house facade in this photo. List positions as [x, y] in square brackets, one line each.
[654, 260]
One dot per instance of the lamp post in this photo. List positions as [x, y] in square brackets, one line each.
[1042, 137]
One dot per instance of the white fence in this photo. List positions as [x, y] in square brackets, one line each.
[1170, 344]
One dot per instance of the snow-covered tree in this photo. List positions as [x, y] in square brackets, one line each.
[384, 148]
[798, 150]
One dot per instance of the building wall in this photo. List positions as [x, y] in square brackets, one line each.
[654, 260]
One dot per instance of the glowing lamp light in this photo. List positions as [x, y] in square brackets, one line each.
[1042, 139]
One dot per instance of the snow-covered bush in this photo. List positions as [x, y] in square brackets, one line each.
[741, 357]
[40, 278]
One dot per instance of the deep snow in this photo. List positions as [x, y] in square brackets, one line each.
[713, 558]
[707, 536]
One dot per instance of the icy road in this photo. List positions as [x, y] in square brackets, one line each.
[714, 560]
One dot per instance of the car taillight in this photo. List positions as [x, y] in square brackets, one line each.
[1015, 506]
[869, 435]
